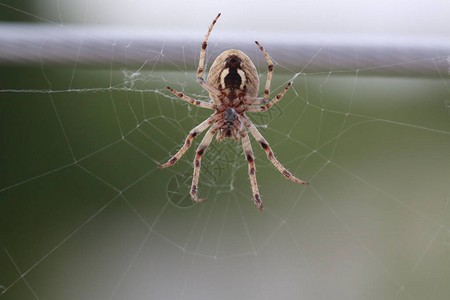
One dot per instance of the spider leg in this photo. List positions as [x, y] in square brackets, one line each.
[193, 101]
[193, 133]
[271, 103]
[197, 161]
[204, 45]
[263, 101]
[208, 87]
[248, 152]
[255, 100]
[201, 63]
[265, 145]
[269, 73]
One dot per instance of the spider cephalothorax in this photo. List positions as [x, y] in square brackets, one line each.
[233, 85]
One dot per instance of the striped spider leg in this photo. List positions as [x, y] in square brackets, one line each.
[265, 145]
[248, 152]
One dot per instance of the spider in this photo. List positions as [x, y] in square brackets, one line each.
[232, 84]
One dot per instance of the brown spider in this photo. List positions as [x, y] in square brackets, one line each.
[233, 86]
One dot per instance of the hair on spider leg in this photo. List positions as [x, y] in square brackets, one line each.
[232, 84]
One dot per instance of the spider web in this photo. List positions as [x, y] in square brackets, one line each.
[86, 214]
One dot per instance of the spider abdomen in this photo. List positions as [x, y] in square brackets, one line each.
[233, 80]
[234, 74]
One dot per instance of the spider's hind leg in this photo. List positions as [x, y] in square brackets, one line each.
[269, 72]
[198, 103]
[201, 63]
[268, 105]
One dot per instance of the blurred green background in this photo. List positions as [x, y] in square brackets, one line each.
[86, 214]
[84, 208]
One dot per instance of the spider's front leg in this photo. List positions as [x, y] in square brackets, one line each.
[197, 161]
[265, 145]
[248, 152]
[187, 143]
